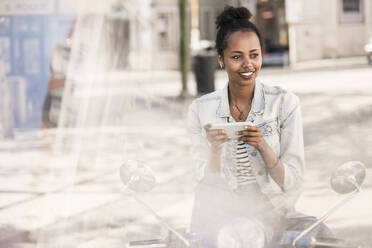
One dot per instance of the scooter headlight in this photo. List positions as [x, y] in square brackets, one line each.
[241, 233]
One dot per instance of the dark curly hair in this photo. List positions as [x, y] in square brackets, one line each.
[230, 20]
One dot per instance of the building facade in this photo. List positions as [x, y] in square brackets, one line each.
[329, 29]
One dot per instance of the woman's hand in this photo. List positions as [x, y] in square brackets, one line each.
[253, 136]
[216, 137]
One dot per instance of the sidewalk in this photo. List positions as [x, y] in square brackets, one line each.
[333, 64]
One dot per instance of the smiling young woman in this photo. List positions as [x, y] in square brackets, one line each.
[258, 176]
[242, 61]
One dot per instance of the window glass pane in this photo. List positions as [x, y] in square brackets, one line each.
[351, 11]
[351, 5]
[164, 28]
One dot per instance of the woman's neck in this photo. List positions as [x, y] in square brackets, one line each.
[240, 95]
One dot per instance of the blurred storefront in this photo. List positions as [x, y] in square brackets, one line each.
[270, 19]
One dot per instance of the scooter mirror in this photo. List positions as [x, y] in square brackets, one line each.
[348, 177]
[136, 176]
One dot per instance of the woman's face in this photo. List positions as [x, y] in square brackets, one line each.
[242, 58]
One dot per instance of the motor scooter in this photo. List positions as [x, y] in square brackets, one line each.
[299, 232]
[368, 50]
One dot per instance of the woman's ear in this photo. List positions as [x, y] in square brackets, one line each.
[220, 61]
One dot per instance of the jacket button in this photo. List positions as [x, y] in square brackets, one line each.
[268, 129]
[254, 154]
[260, 173]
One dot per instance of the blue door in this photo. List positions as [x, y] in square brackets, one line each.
[28, 41]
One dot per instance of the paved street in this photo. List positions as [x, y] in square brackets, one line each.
[61, 188]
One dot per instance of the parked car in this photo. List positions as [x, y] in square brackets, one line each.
[368, 50]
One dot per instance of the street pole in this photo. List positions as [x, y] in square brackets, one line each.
[184, 46]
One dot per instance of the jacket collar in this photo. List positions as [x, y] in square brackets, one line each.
[258, 106]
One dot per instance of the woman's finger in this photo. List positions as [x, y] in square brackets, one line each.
[250, 141]
[207, 126]
[217, 136]
[253, 128]
[247, 139]
[250, 134]
[215, 132]
[250, 129]
[254, 134]
[220, 137]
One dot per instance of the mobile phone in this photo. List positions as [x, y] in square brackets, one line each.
[231, 128]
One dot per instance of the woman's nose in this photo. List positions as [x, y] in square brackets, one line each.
[247, 63]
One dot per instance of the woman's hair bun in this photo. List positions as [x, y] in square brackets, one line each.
[231, 20]
[230, 14]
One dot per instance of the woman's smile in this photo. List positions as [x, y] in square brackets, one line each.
[247, 75]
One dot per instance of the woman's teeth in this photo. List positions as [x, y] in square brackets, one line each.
[247, 74]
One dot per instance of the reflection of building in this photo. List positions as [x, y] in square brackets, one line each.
[165, 36]
[208, 11]
[270, 18]
[329, 29]
[322, 29]
[28, 32]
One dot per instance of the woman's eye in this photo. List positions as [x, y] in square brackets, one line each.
[236, 57]
[254, 55]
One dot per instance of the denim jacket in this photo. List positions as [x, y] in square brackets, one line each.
[277, 112]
